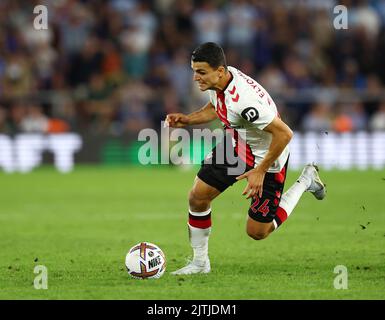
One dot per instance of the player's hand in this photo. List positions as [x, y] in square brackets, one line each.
[176, 120]
[255, 178]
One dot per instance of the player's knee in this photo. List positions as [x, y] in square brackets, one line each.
[256, 235]
[198, 203]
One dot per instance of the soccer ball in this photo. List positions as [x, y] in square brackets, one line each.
[145, 260]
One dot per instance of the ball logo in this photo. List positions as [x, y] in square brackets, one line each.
[250, 114]
[154, 262]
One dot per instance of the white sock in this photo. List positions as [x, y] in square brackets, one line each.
[199, 239]
[291, 197]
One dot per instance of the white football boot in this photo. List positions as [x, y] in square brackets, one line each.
[310, 176]
[193, 268]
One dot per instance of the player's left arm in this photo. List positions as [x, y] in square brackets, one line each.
[281, 136]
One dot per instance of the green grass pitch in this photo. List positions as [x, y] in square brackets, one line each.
[80, 226]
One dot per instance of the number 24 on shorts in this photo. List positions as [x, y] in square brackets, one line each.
[263, 208]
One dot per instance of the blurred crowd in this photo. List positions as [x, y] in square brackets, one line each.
[117, 66]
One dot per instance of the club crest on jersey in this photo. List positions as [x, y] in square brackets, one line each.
[250, 114]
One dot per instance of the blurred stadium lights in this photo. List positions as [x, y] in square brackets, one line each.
[24, 152]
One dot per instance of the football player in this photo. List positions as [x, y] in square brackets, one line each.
[259, 140]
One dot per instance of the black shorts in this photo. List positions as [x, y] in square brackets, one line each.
[265, 208]
[222, 165]
[222, 174]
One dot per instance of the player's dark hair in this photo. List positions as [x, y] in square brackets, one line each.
[211, 53]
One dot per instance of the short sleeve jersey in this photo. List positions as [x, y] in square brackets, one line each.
[245, 108]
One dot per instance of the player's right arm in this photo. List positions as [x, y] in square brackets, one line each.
[204, 115]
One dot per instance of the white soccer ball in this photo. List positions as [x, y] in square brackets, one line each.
[145, 260]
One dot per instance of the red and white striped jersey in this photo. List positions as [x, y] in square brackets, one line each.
[245, 108]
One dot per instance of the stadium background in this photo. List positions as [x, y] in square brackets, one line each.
[104, 70]
[107, 69]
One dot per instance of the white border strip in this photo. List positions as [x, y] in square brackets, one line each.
[200, 214]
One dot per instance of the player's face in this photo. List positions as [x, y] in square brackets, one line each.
[206, 77]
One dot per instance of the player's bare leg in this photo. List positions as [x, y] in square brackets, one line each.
[258, 230]
[309, 181]
[199, 227]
